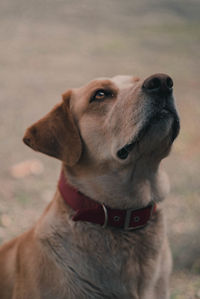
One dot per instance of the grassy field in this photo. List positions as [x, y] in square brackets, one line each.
[49, 46]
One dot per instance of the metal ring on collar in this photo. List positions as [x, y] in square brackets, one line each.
[106, 216]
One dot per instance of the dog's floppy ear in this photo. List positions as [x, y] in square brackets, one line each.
[56, 134]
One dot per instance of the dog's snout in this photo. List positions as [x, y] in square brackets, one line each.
[158, 83]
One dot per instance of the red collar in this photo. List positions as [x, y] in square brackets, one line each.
[91, 211]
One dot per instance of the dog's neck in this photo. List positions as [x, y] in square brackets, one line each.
[132, 187]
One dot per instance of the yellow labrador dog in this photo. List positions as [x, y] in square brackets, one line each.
[103, 235]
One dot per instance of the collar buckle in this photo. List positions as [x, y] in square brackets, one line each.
[127, 219]
[136, 218]
[132, 216]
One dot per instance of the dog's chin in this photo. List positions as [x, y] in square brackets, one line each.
[163, 125]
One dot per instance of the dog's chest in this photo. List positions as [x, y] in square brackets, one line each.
[104, 264]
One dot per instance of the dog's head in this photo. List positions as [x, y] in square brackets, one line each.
[109, 121]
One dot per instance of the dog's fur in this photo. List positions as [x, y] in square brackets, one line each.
[62, 259]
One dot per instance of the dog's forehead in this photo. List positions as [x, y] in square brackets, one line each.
[123, 81]
[120, 81]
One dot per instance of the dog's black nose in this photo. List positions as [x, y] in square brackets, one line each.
[158, 83]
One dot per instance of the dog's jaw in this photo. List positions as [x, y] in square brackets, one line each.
[165, 115]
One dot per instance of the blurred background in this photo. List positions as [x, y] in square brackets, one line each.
[49, 46]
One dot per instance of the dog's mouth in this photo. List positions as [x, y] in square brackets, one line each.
[165, 113]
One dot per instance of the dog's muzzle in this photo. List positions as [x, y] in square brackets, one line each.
[159, 88]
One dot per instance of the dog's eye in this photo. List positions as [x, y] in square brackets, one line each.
[99, 95]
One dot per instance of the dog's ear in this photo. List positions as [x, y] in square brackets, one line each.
[56, 134]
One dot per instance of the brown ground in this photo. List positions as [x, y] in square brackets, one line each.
[48, 46]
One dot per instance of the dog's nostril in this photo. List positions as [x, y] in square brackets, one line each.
[158, 83]
[154, 83]
[27, 141]
[169, 82]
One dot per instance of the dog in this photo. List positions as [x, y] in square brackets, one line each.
[103, 235]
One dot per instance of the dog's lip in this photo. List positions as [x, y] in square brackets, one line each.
[156, 117]
[124, 151]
